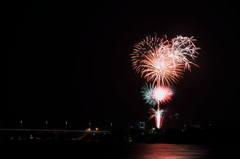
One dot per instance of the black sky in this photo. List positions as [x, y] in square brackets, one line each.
[70, 61]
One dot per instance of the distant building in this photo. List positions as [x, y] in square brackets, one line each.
[136, 125]
[142, 126]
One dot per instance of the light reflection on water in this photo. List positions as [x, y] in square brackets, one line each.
[110, 150]
[178, 151]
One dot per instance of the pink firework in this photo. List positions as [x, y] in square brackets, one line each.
[162, 94]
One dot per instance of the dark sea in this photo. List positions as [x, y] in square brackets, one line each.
[114, 150]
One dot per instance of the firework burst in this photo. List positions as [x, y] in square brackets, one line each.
[160, 69]
[163, 61]
[154, 95]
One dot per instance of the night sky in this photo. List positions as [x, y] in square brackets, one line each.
[70, 61]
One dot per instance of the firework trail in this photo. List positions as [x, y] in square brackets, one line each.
[158, 118]
[159, 115]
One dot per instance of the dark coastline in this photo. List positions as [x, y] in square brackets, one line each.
[192, 135]
[131, 144]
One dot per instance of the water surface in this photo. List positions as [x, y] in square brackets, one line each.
[124, 150]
